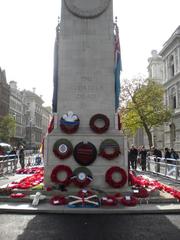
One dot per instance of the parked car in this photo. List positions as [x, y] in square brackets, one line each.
[5, 150]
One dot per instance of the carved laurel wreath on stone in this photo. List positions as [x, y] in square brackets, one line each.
[74, 7]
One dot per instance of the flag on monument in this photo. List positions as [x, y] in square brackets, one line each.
[55, 75]
[117, 65]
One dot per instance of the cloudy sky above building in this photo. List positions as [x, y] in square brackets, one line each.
[27, 29]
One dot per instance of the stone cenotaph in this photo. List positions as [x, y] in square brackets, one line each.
[83, 149]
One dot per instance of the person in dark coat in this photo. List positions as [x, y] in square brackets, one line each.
[143, 155]
[132, 157]
[167, 154]
[158, 155]
[21, 156]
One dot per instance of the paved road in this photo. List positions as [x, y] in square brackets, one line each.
[89, 227]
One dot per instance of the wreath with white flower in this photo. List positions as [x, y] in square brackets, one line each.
[62, 148]
[82, 177]
[56, 175]
[109, 149]
[99, 118]
[69, 122]
[112, 180]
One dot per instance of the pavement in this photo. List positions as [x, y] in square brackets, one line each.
[159, 203]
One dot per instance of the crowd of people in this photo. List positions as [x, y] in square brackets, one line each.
[138, 155]
[19, 153]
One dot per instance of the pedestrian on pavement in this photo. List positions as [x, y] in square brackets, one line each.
[158, 155]
[167, 156]
[21, 156]
[143, 155]
[13, 152]
[132, 157]
[174, 154]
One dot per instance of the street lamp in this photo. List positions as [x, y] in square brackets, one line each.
[30, 133]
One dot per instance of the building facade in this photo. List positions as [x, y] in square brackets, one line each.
[33, 118]
[165, 68]
[4, 94]
[17, 109]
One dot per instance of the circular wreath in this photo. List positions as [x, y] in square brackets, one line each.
[85, 153]
[62, 148]
[61, 168]
[82, 177]
[113, 146]
[93, 123]
[129, 201]
[69, 123]
[109, 200]
[109, 177]
[140, 192]
[59, 200]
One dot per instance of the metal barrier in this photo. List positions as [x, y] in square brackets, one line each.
[8, 164]
[167, 167]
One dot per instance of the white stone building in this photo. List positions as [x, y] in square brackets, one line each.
[17, 109]
[165, 68]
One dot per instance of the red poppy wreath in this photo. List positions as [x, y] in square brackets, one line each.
[82, 177]
[99, 118]
[69, 123]
[85, 153]
[62, 148]
[109, 149]
[61, 180]
[109, 177]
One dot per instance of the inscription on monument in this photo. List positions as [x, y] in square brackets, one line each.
[86, 88]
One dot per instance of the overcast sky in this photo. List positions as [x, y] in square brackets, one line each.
[27, 33]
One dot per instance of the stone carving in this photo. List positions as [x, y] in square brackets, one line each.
[87, 8]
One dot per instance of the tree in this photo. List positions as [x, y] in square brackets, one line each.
[7, 128]
[143, 107]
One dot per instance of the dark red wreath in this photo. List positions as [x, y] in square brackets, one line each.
[82, 177]
[69, 126]
[62, 148]
[109, 200]
[61, 168]
[129, 201]
[140, 192]
[94, 120]
[59, 200]
[85, 153]
[109, 144]
[111, 181]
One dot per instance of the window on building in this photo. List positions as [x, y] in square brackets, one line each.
[171, 66]
[172, 98]
[174, 101]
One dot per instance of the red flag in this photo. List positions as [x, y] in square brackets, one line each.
[51, 125]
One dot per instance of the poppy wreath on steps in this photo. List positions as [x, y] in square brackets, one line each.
[94, 120]
[129, 201]
[140, 192]
[69, 122]
[62, 148]
[110, 178]
[82, 177]
[109, 149]
[57, 170]
[85, 153]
